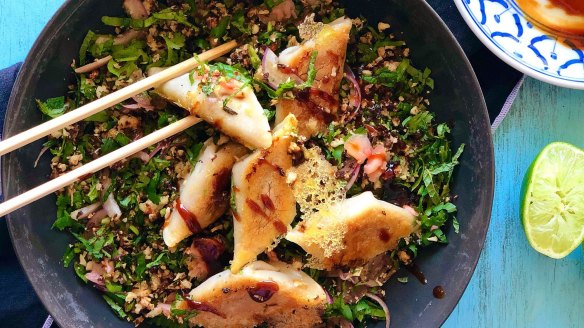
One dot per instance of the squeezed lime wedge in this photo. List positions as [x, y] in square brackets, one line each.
[552, 208]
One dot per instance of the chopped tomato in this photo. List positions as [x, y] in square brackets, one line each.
[376, 163]
[359, 147]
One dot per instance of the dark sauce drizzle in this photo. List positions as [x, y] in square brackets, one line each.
[189, 218]
[263, 291]
[202, 306]
[415, 270]
[439, 292]
[384, 235]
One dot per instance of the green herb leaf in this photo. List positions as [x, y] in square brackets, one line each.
[121, 139]
[140, 265]
[117, 309]
[85, 46]
[194, 151]
[221, 29]
[100, 117]
[63, 221]
[165, 14]
[80, 271]
[456, 225]
[152, 188]
[101, 46]
[272, 3]
[156, 262]
[238, 21]
[131, 52]
[403, 280]
[311, 72]
[108, 145]
[270, 114]
[121, 70]
[53, 107]
[175, 43]
[113, 288]
[68, 257]
[253, 56]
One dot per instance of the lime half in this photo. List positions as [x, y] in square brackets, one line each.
[552, 209]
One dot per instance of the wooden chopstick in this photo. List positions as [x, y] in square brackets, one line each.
[112, 99]
[96, 165]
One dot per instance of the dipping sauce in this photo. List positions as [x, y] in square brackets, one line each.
[414, 269]
[566, 16]
[439, 292]
[263, 291]
[189, 218]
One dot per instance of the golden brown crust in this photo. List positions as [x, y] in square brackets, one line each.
[273, 293]
[264, 202]
[317, 106]
[352, 232]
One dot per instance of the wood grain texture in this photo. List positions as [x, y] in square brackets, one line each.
[513, 286]
[20, 23]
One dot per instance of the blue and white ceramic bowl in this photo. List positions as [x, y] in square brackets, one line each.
[539, 53]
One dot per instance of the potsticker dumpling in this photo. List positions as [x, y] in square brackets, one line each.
[272, 293]
[317, 106]
[204, 195]
[264, 204]
[241, 117]
[352, 231]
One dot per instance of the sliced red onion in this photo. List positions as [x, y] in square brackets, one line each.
[414, 213]
[165, 308]
[84, 212]
[162, 146]
[95, 278]
[108, 266]
[43, 150]
[354, 176]
[112, 207]
[347, 276]
[329, 299]
[132, 106]
[106, 182]
[97, 217]
[142, 155]
[93, 66]
[135, 9]
[156, 150]
[287, 55]
[355, 93]
[383, 305]
[274, 75]
[128, 36]
[144, 101]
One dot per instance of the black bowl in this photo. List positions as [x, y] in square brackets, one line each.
[457, 99]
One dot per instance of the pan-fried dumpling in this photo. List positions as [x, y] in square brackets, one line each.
[264, 205]
[204, 195]
[274, 293]
[352, 231]
[241, 117]
[317, 106]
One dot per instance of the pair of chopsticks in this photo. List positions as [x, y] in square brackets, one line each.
[96, 106]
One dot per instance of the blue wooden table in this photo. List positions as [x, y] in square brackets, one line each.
[513, 286]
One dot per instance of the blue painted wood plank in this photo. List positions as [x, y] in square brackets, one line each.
[513, 285]
[20, 24]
